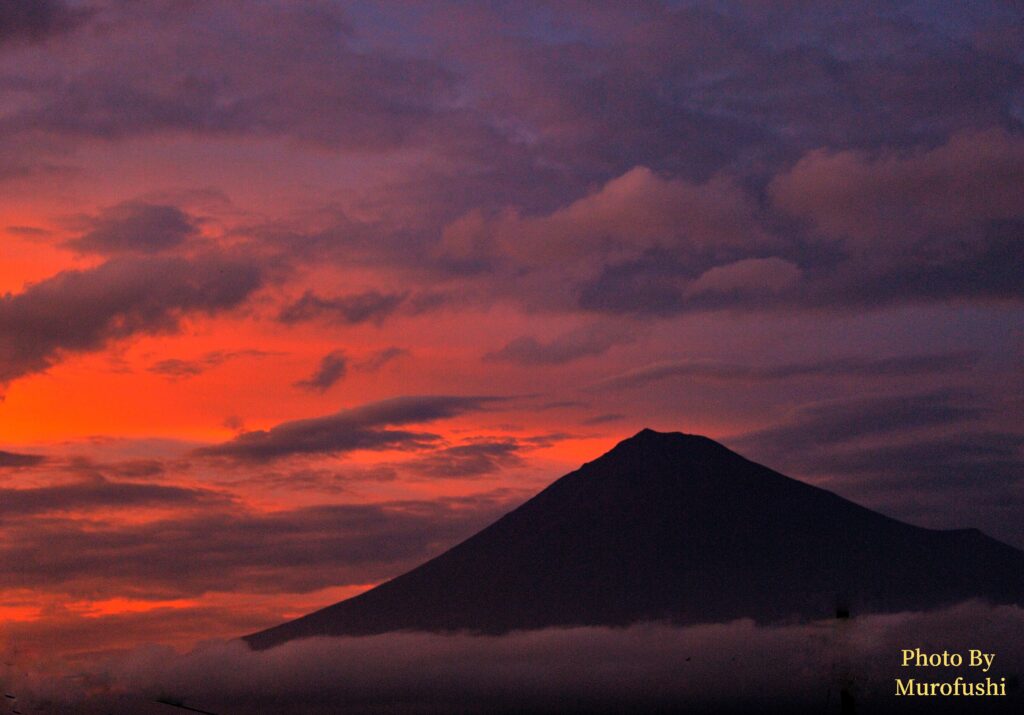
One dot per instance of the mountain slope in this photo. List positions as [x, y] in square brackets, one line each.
[673, 526]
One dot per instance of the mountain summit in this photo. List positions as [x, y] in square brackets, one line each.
[676, 527]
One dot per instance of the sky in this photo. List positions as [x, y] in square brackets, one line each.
[295, 295]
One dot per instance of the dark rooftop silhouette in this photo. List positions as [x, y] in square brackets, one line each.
[670, 526]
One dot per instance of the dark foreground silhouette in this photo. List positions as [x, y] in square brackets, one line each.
[675, 527]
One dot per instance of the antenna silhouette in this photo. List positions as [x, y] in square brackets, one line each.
[175, 703]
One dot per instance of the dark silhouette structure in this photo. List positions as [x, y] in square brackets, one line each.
[668, 526]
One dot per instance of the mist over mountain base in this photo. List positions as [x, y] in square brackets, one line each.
[731, 667]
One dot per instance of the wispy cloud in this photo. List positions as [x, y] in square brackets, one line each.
[347, 309]
[363, 427]
[899, 366]
[183, 368]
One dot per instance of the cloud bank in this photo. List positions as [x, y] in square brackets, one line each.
[727, 667]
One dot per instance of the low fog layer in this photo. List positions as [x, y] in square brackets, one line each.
[737, 665]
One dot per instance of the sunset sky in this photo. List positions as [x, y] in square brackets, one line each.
[296, 294]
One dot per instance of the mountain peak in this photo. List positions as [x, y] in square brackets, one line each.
[666, 452]
[649, 438]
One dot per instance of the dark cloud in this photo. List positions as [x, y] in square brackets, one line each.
[381, 358]
[180, 368]
[478, 458]
[282, 69]
[136, 468]
[926, 458]
[15, 168]
[100, 493]
[685, 89]
[969, 478]
[89, 469]
[136, 227]
[221, 548]
[690, 89]
[650, 161]
[728, 667]
[37, 20]
[473, 458]
[363, 427]
[860, 67]
[848, 420]
[977, 458]
[17, 459]
[920, 223]
[82, 310]
[899, 366]
[584, 342]
[333, 367]
[651, 284]
[979, 268]
[975, 265]
[348, 309]
[343, 479]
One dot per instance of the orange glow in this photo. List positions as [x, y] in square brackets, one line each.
[19, 612]
[118, 605]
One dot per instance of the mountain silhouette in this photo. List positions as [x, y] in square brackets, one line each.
[676, 527]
